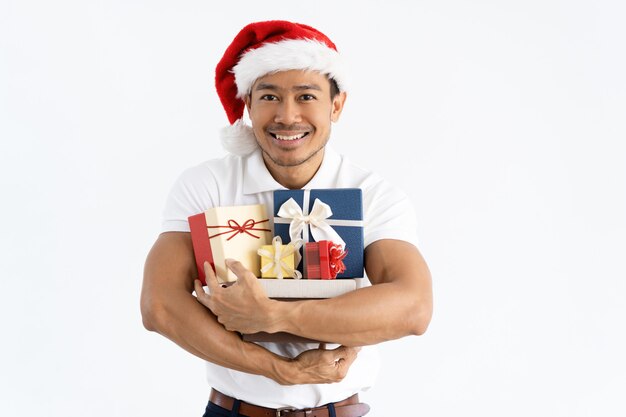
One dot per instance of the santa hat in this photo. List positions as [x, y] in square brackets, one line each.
[263, 48]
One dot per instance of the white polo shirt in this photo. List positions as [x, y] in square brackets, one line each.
[233, 181]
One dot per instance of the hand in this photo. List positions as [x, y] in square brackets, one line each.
[321, 366]
[243, 306]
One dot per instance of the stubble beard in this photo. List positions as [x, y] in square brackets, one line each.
[291, 164]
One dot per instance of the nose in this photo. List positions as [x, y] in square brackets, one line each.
[288, 112]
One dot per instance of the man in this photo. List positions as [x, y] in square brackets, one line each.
[291, 80]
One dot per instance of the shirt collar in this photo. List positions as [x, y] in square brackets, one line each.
[257, 178]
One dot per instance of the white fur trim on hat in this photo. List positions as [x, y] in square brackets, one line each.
[303, 54]
[238, 138]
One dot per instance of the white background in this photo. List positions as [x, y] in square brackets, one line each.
[504, 121]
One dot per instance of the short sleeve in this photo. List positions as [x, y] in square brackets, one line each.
[388, 214]
[192, 193]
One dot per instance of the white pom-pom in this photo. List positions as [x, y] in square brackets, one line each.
[239, 138]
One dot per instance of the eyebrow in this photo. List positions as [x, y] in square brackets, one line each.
[300, 87]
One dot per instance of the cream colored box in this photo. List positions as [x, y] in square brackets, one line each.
[237, 232]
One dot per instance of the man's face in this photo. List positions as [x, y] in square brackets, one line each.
[291, 114]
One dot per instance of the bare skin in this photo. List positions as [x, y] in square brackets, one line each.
[398, 304]
[169, 308]
[291, 114]
[288, 104]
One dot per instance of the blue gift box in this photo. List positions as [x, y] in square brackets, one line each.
[346, 220]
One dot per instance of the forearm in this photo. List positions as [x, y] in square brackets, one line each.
[190, 325]
[398, 304]
[183, 320]
[366, 316]
[169, 307]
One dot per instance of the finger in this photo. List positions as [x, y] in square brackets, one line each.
[348, 353]
[201, 295]
[211, 278]
[197, 286]
[238, 269]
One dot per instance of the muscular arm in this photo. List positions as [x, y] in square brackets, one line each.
[399, 303]
[169, 308]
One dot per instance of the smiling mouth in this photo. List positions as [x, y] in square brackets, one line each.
[289, 137]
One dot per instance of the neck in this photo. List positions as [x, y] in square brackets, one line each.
[296, 176]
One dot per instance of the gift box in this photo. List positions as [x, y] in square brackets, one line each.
[323, 214]
[235, 232]
[277, 260]
[323, 260]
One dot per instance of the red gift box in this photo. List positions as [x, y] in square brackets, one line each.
[323, 260]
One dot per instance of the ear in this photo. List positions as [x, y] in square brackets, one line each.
[246, 100]
[337, 106]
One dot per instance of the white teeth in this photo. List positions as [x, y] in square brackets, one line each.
[294, 137]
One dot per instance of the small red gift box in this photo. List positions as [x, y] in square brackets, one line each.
[323, 260]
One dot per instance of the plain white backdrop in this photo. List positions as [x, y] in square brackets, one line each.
[504, 121]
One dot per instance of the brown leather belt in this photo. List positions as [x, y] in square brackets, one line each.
[350, 407]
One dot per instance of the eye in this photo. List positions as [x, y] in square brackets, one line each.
[268, 97]
[307, 97]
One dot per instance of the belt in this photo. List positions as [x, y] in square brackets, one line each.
[350, 407]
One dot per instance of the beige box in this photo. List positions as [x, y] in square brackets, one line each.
[235, 232]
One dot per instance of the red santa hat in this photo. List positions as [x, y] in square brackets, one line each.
[263, 48]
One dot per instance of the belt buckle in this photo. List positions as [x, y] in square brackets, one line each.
[281, 410]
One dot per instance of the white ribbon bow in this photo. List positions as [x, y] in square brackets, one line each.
[316, 220]
[276, 259]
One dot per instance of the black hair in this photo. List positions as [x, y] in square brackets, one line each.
[334, 88]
